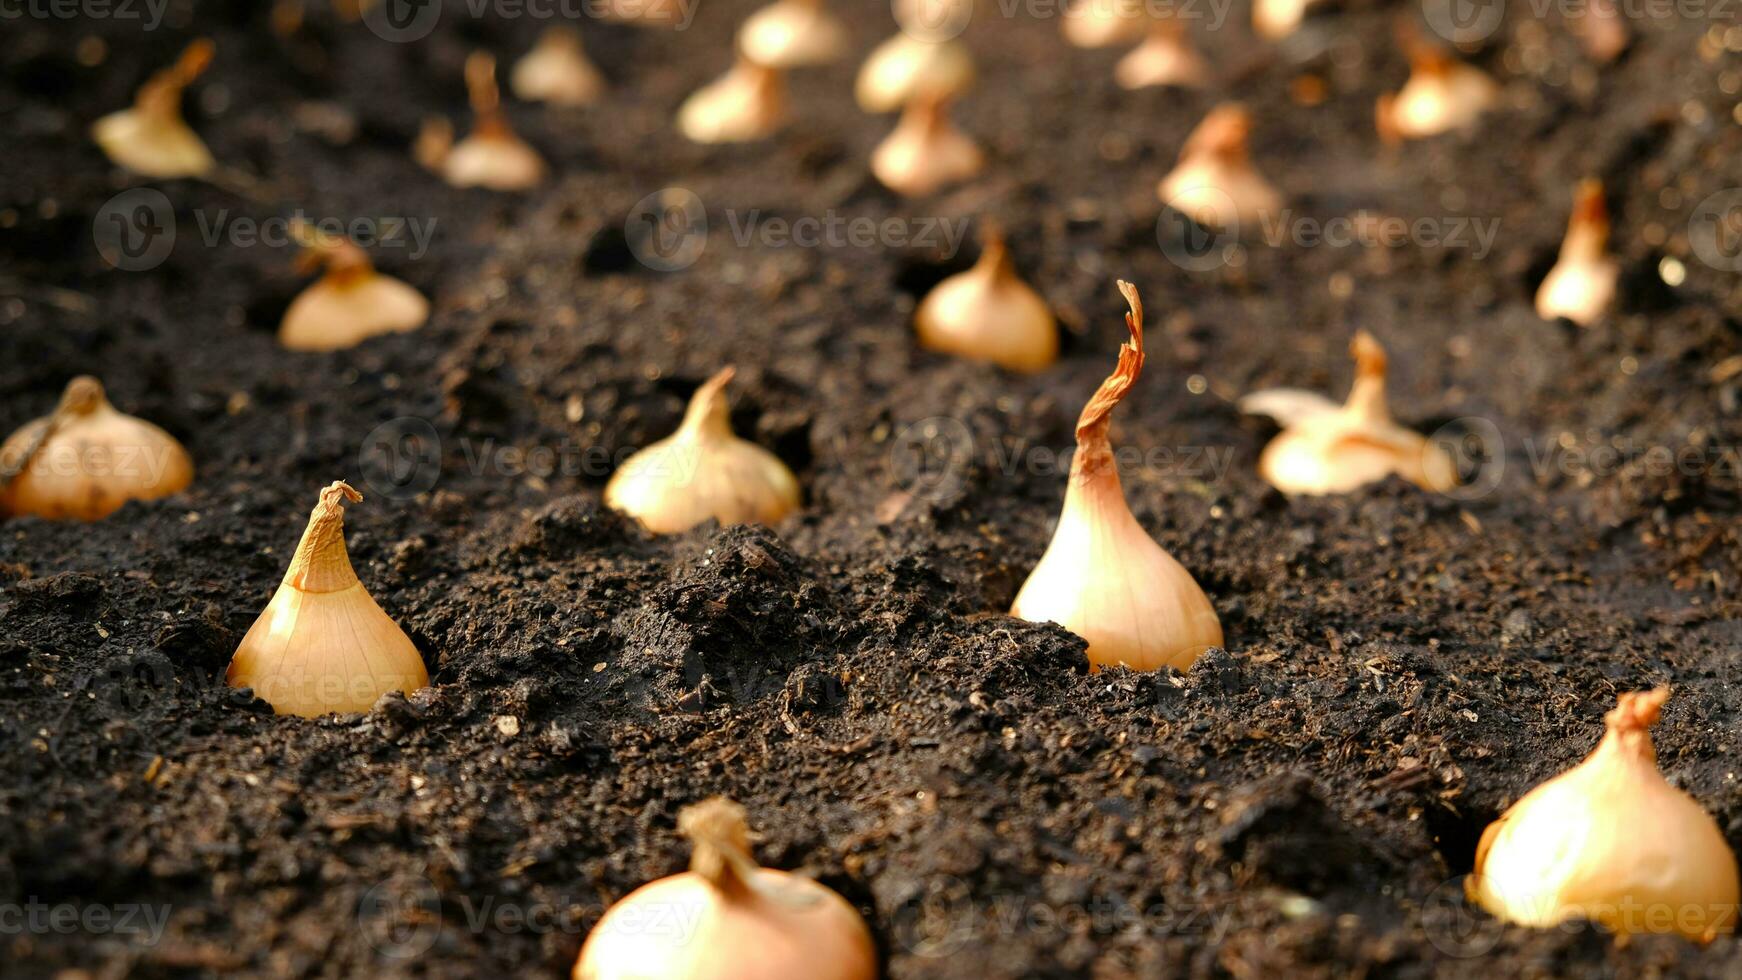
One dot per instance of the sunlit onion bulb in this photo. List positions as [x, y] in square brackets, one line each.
[1610, 840]
[926, 152]
[1103, 577]
[1277, 19]
[738, 921]
[747, 103]
[322, 644]
[1581, 286]
[790, 34]
[151, 138]
[907, 69]
[492, 157]
[88, 459]
[1442, 94]
[703, 471]
[1329, 448]
[1214, 182]
[1602, 28]
[1104, 23]
[350, 303]
[989, 314]
[1166, 57]
[558, 71]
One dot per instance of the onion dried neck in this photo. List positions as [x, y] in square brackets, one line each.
[322, 563]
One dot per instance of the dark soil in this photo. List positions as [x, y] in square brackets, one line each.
[1400, 667]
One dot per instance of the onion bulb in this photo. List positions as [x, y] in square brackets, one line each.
[152, 138]
[1104, 23]
[989, 314]
[746, 103]
[703, 471]
[492, 156]
[1329, 448]
[926, 152]
[322, 644]
[1582, 283]
[905, 68]
[1214, 182]
[1277, 19]
[557, 71]
[1442, 94]
[728, 919]
[1610, 841]
[1103, 577]
[350, 303]
[1166, 57]
[88, 459]
[793, 34]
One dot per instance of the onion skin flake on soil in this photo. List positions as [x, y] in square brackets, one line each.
[1400, 666]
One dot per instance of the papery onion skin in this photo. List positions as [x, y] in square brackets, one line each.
[151, 138]
[989, 314]
[906, 69]
[1102, 576]
[703, 471]
[747, 103]
[322, 644]
[87, 460]
[1612, 841]
[727, 919]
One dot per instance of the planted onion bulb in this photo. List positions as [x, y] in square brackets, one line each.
[88, 459]
[989, 314]
[906, 69]
[1611, 841]
[1166, 57]
[793, 34]
[1442, 94]
[557, 71]
[151, 138]
[740, 921]
[1214, 182]
[747, 103]
[1104, 23]
[322, 644]
[926, 152]
[350, 303]
[1277, 19]
[703, 471]
[492, 157]
[1103, 577]
[1582, 283]
[1329, 448]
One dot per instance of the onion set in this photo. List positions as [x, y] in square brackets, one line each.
[791, 34]
[1166, 57]
[88, 459]
[703, 471]
[151, 138]
[1442, 94]
[745, 104]
[1611, 841]
[1581, 286]
[1104, 23]
[322, 644]
[1102, 576]
[1214, 182]
[989, 314]
[905, 69]
[727, 918]
[926, 152]
[492, 156]
[557, 71]
[350, 303]
[1327, 448]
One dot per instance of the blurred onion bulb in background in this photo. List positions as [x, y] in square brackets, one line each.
[1102, 576]
[88, 459]
[1329, 448]
[1277, 19]
[791, 34]
[926, 152]
[1104, 23]
[1442, 94]
[557, 71]
[492, 156]
[350, 303]
[322, 644]
[747, 103]
[1214, 182]
[906, 69]
[1581, 286]
[703, 471]
[989, 314]
[151, 138]
[1166, 57]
